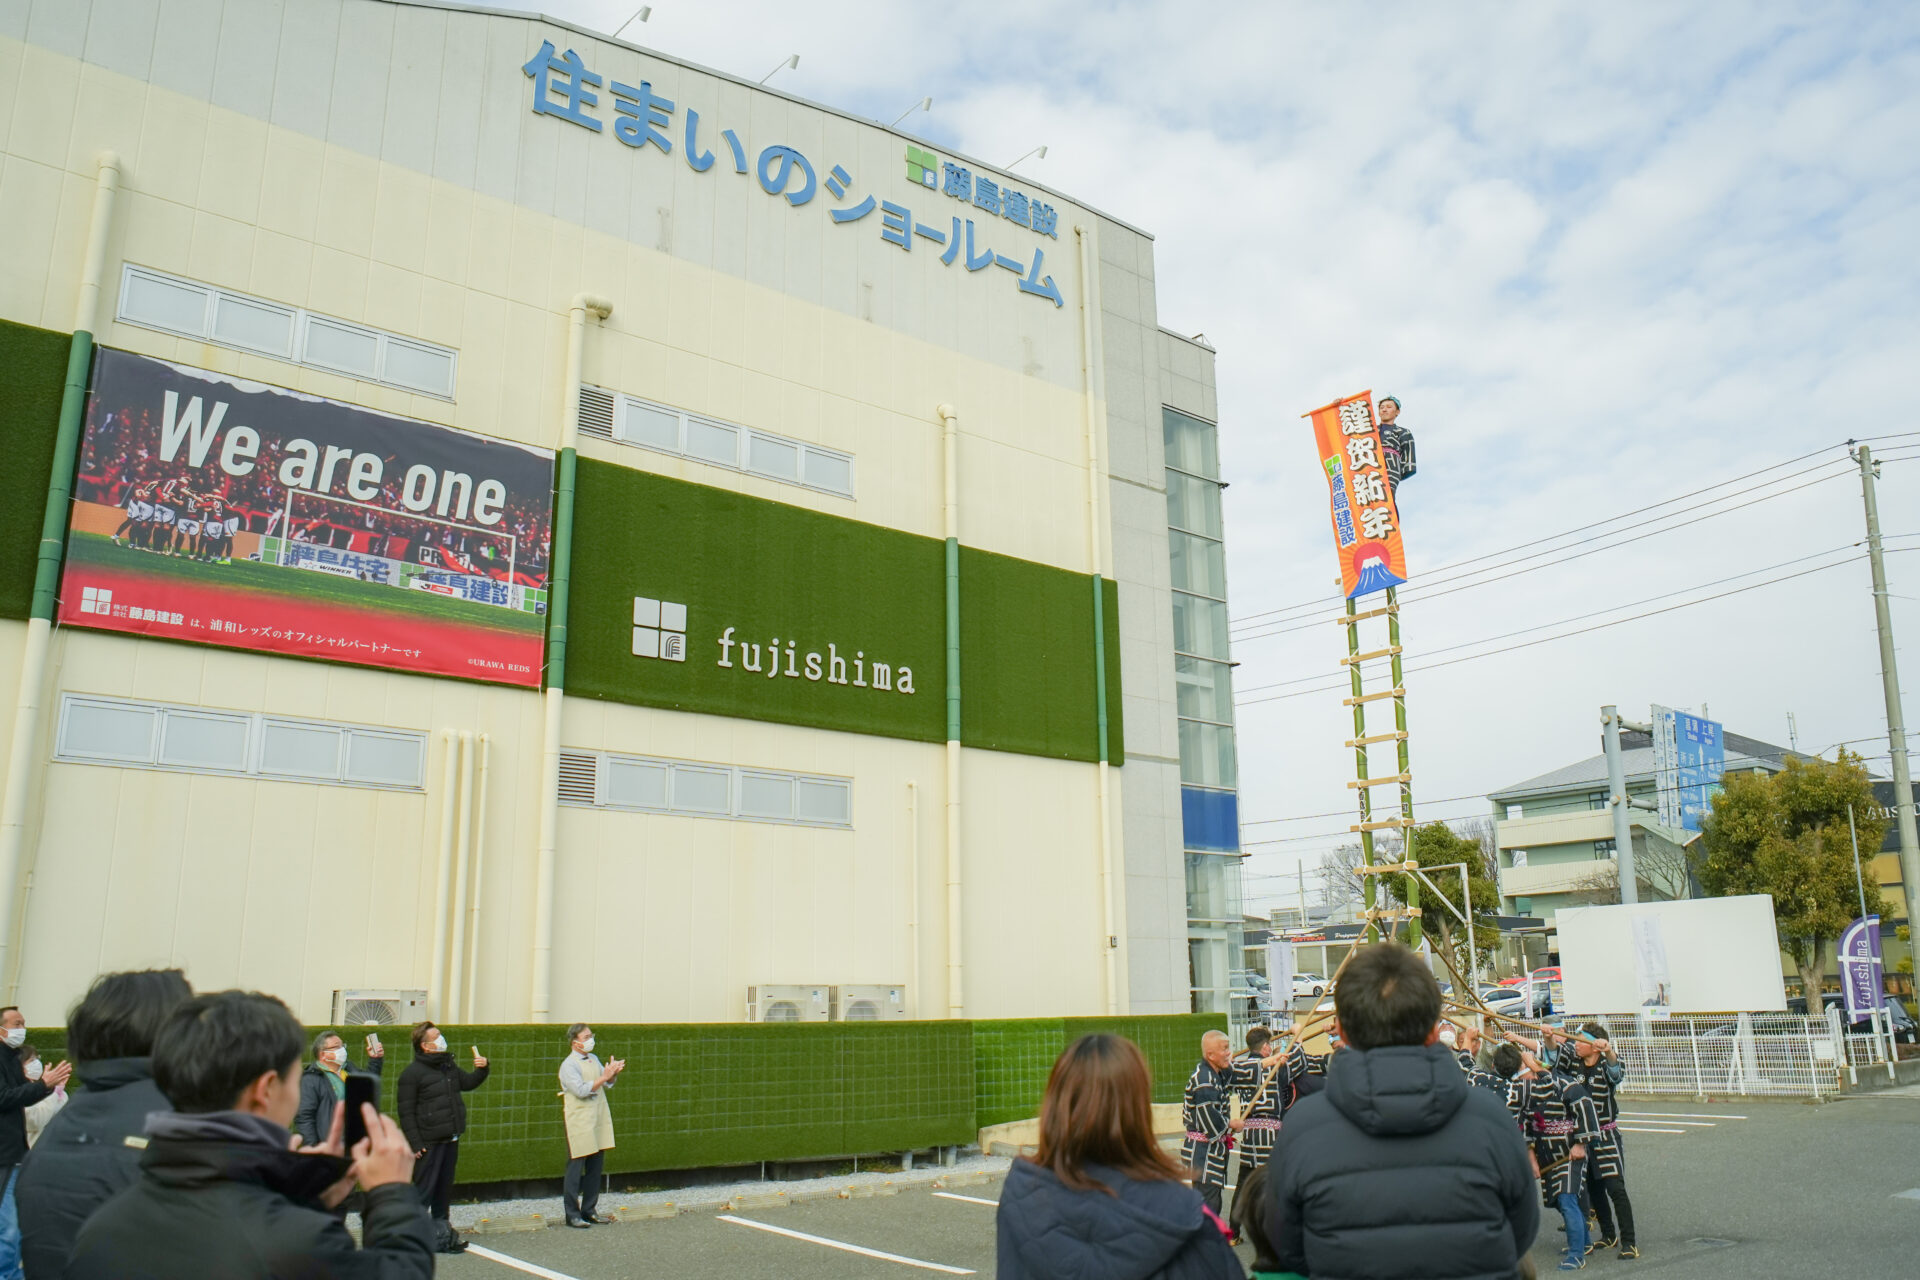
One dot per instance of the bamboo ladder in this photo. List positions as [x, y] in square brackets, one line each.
[1363, 781]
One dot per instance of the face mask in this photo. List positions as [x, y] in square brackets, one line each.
[338, 1056]
[439, 1045]
[16, 1036]
[1448, 1038]
[586, 1046]
[34, 1069]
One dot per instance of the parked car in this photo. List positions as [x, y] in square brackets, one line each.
[1905, 1030]
[1511, 1001]
[1309, 984]
[1549, 974]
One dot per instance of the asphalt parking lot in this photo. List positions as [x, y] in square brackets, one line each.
[1744, 1190]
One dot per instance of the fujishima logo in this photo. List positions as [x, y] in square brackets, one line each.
[833, 666]
[659, 629]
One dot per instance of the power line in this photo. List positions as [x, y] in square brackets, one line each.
[1566, 533]
[1250, 619]
[1578, 617]
[1734, 761]
[1417, 595]
[1528, 644]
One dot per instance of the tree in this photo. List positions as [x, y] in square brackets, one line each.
[1436, 845]
[1661, 870]
[1785, 835]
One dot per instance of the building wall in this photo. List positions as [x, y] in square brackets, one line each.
[380, 163]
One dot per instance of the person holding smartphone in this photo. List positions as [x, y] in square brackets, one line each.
[433, 1115]
[329, 1081]
[323, 1084]
[583, 1106]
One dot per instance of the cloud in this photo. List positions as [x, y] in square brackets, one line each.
[1605, 254]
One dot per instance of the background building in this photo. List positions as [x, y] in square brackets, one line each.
[854, 401]
[1556, 836]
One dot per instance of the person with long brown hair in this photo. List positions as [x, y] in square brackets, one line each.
[1099, 1196]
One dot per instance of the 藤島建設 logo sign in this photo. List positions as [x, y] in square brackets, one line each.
[565, 88]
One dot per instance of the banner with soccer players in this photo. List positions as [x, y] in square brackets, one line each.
[213, 509]
[1366, 521]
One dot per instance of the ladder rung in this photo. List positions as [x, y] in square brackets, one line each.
[1382, 826]
[1397, 736]
[1373, 697]
[1390, 913]
[1390, 651]
[1381, 782]
[1371, 613]
[1385, 869]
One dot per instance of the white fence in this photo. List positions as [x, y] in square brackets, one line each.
[1778, 1054]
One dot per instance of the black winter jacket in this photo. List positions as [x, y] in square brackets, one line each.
[1151, 1230]
[82, 1159]
[214, 1205]
[1400, 1169]
[17, 1093]
[317, 1100]
[431, 1108]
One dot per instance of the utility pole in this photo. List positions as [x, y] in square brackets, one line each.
[1890, 685]
[1617, 801]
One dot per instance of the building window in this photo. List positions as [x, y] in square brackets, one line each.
[1193, 444]
[1193, 504]
[1199, 564]
[1203, 689]
[614, 415]
[173, 304]
[605, 780]
[1199, 626]
[1603, 849]
[1596, 800]
[1206, 755]
[154, 735]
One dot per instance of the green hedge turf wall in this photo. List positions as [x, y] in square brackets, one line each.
[34, 362]
[705, 1094]
[1013, 1056]
[770, 570]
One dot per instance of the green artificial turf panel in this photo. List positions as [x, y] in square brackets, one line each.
[770, 570]
[34, 362]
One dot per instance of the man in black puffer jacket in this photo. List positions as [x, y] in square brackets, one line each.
[83, 1159]
[223, 1192]
[1399, 1169]
[434, 1115]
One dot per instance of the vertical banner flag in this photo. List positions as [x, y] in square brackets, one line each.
[214, 509]
[1366, 524]
[1862, 969]
[1280, 975]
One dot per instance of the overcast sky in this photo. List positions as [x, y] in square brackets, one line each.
[1606, 254]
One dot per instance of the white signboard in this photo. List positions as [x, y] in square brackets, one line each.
[1279, 974]
[1704, 955]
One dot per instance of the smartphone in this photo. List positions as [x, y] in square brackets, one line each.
[373, 1041]
[360, 1089]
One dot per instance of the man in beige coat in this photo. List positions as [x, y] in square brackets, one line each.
[583, 1105]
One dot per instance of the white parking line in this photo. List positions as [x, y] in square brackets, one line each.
[948, 1195]
[842, 1245]
[1685, 1124]
[1624, 1129]
[515, 1263]
[1679, 1115]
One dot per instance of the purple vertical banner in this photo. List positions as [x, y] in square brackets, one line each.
[1862, 968]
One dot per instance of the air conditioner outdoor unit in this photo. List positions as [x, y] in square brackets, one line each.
[378, 1008]
[787, 1004]
[868, 1003]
